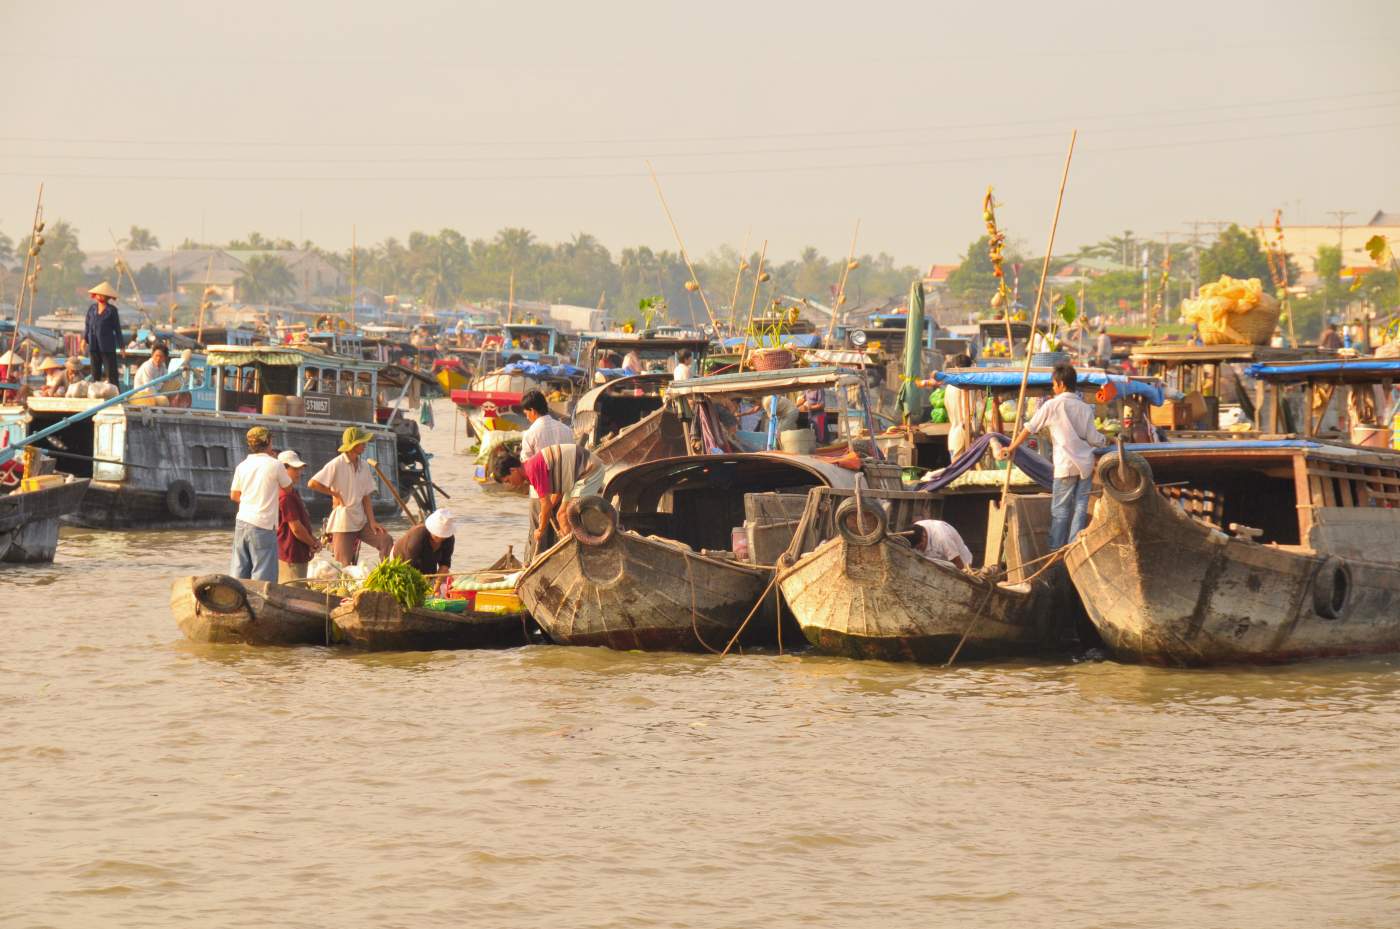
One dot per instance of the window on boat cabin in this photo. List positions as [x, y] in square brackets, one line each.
[215, 457]
[311, 381]
[1254, 492]
[363, 385]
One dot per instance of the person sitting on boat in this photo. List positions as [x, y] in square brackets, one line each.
[632, 363]
[429, 548]
[1071, 424]
[296, 543]
[154, 367]
[558, 474]
[682, 370]
[55, 378]
[102, 334]
[785, 412]
[813, 403]
[256, 482]
[349, 482]
[933, 538]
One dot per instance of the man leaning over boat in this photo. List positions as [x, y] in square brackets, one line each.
[1071, 424]
[349, 482]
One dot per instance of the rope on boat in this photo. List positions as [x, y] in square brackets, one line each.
[1052, 559]
[757, 603]
[694, 615]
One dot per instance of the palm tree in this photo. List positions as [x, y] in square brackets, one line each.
[139, 239]
[264, 279]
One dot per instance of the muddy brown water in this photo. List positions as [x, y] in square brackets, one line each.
[151, 782]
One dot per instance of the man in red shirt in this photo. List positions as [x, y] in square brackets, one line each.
[559, 473]
[295, 541]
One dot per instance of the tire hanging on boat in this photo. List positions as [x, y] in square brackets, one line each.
[594, 520]
[1138, 479]
[180, 500]
[849, 522]
[220, 593]
[1332, 589]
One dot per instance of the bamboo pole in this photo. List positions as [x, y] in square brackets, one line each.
[738, 279]
[714, 324]
[353, 260]
[510, 299]
[173, 301]
[31, 262]
[1035, 320]
[753, 301]
[204, 300]
[841, 287]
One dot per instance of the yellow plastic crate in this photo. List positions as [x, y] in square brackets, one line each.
[498, 601]
[42, 482]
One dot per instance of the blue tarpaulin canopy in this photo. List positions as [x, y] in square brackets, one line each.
[805, 340]
[539, 371]
[1040, 380]
[1322, 370]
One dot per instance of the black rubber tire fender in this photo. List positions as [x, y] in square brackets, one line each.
[593, 519]
[181, 501]
[849, 525]
[1139, 477]
[220, 593]
[1332, 589]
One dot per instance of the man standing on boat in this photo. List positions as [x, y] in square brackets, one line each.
[349, 482]
[544, 429]
[256, 482]
[682, 370]
[296, 543]
[1071, 424]
[102, 334]
[558, 474]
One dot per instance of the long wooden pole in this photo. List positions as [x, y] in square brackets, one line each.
[204, 300]
[753, 301]
[31, 262]
[714, 324]
[353, 260]
[1035, 319]
[510, 299]
[173, 301]
[738, 279]
[841, 287]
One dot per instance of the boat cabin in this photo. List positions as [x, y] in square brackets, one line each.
[1207, 379]
[1366, 417]
[532, 342]
[1001, 341]
[261, 379]
[658, 355]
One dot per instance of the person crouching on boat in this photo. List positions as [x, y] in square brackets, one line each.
[296, 543]
[349, 482]
[933, 538]
[1071, 424]
[558, 474]
[256, 482]
[429, 548]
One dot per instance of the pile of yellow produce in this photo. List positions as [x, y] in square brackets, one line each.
[1233, 312]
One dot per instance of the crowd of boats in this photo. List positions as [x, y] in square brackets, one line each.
[1247, 512]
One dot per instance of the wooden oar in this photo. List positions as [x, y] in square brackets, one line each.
[403, 506]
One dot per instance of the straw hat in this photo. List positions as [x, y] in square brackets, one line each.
[103, 289]
[258, 437]
[441, 524]
[48, 364]
[354, 436]
[10, 358]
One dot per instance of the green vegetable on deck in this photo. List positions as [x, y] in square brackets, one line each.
[401, 579]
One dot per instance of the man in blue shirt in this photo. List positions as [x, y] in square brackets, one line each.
[102, 334]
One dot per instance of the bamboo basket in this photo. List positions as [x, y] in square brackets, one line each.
[1256, 326]
[770, 359]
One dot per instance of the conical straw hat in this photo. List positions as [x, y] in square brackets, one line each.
[104, 289]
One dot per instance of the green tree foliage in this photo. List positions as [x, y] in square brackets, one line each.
[265, 278]
[140, 239]
[7, 248]
[61, 277]
[1106, 294]
[1238, 254]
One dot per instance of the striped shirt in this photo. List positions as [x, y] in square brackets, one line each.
[558, 468]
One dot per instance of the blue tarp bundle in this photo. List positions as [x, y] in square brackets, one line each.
[538, 371]
[1031, 464]
[1283, 371]
[808, 340]
[1041, 379]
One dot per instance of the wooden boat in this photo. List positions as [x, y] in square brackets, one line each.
[657, 570]
[626, 421]
[29, 519]
[222, 609]
[1236, 552]
[376, 622]
[865, 593]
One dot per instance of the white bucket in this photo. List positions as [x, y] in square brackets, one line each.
[797, 441]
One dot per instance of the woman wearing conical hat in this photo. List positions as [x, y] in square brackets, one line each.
[102, 334]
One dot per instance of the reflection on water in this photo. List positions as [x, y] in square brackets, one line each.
[155, 782]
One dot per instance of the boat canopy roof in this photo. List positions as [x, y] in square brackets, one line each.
[746, 472]
[1040, 378]
[758, 383]
[784, 339]
[658, 346]
[1191, 353]
[282, 355]
[1343, 370]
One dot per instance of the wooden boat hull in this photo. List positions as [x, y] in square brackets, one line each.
[29, 521]
[886, 602]
[1165, 589]
[374, 621]
[221, 609]
[657, 435]
[631, 592]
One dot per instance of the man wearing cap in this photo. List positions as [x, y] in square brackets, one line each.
[102, 334]
[256, 482]
[348, 481]
[295, 541]
[429, 547]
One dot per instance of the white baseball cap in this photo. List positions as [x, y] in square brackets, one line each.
[291, 459]
[441, 524]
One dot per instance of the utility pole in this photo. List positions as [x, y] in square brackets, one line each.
[1196, 225]
[1341, 253]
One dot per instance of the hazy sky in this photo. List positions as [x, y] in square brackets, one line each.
[789, 119]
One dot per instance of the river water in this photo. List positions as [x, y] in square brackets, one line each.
[151, 782]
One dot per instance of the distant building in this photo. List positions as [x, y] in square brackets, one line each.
[1301, 242]
[197, 268]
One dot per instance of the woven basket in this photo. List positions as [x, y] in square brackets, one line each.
[770, 359]
[1256, 326]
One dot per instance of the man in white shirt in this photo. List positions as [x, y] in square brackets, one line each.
[348, 480]
[682, 370]
[544, 429]
[1071, 424]
[938, 540]
[154, 367]
[256, 483]
[632, 363]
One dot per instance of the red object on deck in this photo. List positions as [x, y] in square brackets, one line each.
[476, 398]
